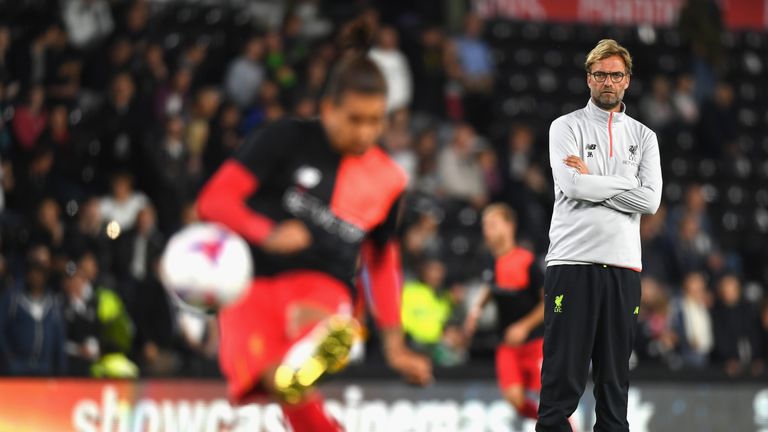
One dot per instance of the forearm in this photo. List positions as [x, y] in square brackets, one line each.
[643, 200]
[482, 299]
[223, 200]
[593, 188]
[392, 339]
[385, 282]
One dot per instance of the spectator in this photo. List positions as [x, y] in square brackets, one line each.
[718, 127]
[35, 184]
[398, 141]
[225, 137]
[6, 182]
[63, 84]
[6, 121]
[763, 337]
[420, 239]
[275, 57]
[80, 311]
[655, 339]
[139, 249]
[154, 313]
[67, 159]
[194, 57]
[296, 44]
[102, 332]
[120, 125]
[518, 153]
[88, 22]
[89, 233]
[515, 159]
[313, 24]
[32, 332]
[151, 76]
[429, 73]
[658, 252]
[198, 131]
[695, 206]
[135, 24]
[472, 57]
[735, 328]
[49, 229]
[98, 73]
[700, 25]
[393, 64]
[460, 173]
[425, 310]
[33, 62]
[657, 108]
[124, 203]
[30, 120]
[691, 321]
[245, 74]
[5, 49]
[174, 98]
[489, 166]
[426, 147]
[693, 248]
[169, 168]
[315, 78]
[684, 100]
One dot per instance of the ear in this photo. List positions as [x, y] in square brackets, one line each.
[326, 107]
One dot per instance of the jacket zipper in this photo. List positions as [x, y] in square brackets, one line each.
[610, 135]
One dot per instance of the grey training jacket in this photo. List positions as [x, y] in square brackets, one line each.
[596, 217]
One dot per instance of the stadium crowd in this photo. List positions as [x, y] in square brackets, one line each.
[114, 113]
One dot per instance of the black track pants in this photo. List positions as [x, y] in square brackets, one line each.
[590, 313]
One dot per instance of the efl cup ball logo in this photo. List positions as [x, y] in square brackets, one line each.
[206, 265]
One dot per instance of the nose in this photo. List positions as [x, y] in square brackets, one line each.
[366, 134]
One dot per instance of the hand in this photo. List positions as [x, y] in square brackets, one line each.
[287, 238]
[470, 324]
[516, 334]
[732, 367]
[415, 368]
[576, 162]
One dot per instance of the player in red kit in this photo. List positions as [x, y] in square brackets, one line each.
[514, 284]
[318, 201]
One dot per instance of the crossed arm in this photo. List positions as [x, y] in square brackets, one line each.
[640, 194]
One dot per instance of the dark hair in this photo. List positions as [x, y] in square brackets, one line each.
[355, 72]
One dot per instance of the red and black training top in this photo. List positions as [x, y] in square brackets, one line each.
[288, 170]
[516, 282]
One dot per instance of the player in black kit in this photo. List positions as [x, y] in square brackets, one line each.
[318, 202]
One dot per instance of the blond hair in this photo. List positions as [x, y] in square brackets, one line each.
[607, 48]
[504, 210]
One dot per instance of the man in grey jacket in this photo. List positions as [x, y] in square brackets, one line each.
[607, 174]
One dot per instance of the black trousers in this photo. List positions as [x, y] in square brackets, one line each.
[590, 313]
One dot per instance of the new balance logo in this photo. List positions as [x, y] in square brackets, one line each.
[559, 303]
[591, 146]
[637, 310]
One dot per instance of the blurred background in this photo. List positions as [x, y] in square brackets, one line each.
[113, 113]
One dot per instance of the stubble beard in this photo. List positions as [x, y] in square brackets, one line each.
[607, 101]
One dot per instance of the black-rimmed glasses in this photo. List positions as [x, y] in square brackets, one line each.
[600, 77]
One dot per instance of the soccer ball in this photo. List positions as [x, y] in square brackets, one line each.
[206, 265]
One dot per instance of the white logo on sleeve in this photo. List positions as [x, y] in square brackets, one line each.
[308, 176]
